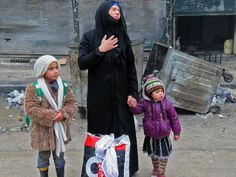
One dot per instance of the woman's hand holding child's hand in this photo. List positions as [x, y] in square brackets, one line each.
[176, 137]
[131, 101]
[59, 117]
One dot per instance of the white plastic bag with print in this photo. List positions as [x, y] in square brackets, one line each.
[106, 156]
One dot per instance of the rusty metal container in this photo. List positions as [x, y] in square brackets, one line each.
[190, 82]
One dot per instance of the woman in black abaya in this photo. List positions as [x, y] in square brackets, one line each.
[112, 80]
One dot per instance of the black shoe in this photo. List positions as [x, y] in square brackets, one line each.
[60, 172]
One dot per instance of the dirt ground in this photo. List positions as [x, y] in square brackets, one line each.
[207, 147]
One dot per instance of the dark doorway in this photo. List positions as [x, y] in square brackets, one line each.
[199, 33]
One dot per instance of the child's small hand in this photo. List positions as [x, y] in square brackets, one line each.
[59, 116]
[131, 101]
[176, 137]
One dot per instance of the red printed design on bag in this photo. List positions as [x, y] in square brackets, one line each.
[92, 165]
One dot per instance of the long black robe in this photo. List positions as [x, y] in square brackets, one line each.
[111, 78]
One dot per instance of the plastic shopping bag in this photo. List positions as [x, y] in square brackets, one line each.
[106, 156]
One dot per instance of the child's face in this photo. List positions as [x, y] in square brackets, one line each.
[53, 72]
[158, 94]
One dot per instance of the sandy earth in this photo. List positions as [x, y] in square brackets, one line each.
[207, 147]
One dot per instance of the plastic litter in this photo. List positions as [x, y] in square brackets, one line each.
[205, 116]
[14, 93]
[15, 99]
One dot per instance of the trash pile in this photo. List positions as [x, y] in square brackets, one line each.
[224, 95]
[15, 100]
[221, 96]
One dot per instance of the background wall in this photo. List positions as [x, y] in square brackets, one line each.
[200, 7]
[47, 26]
[36, 26]
[145, 18]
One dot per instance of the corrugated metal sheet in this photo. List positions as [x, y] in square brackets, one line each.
[204, 7]
[190, 82]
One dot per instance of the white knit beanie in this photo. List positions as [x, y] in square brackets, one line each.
[42, 63]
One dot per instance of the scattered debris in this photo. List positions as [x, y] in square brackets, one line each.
[11, 115]
[215, 109]
[224, 95]
[221, 116]
[223, 130]
[16, 98]
[205, 116]
[22, 127]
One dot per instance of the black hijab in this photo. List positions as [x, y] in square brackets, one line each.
[106, 25]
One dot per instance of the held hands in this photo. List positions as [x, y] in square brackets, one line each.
[59, 117]
[131, 101]
[108, 44]
[176, 137]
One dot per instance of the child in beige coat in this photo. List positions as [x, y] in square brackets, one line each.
[51, 114]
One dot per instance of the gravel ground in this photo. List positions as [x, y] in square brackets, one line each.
[206, 148]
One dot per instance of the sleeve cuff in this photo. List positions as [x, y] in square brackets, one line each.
[100, 54]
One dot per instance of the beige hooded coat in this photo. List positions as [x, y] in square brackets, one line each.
[42, 114]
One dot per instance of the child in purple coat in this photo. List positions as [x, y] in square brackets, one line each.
[157, 109]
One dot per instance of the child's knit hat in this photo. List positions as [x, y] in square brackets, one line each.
[42, 63]
[153, 84]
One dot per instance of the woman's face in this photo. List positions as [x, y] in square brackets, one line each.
[114, 12]
[53, 72]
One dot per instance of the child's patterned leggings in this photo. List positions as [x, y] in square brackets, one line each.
[159, 165]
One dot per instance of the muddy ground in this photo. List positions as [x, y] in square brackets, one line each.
[207, 147]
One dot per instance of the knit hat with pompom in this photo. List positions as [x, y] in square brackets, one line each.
[153, 84]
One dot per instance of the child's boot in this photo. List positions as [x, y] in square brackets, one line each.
[60, 172]
[154, 173]
[43, 172]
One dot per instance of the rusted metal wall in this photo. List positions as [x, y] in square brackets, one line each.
[36, 26]
[204, 7]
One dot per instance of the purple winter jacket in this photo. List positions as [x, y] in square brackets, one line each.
[154, 110]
